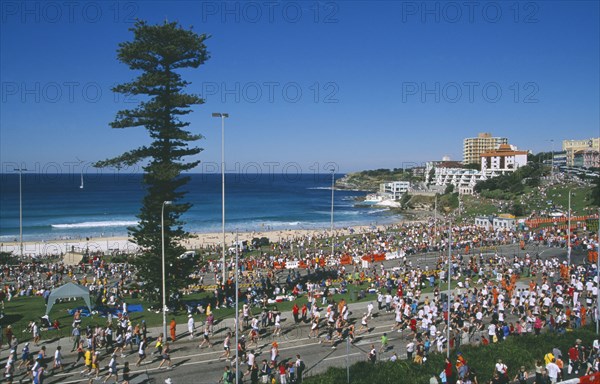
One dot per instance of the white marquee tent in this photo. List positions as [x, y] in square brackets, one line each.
[66, 291]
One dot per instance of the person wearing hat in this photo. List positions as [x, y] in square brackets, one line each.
[112, 369]
[274, 351]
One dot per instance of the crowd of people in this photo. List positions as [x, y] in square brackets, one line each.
[490, 303]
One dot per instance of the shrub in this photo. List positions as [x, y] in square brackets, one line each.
[514, 352]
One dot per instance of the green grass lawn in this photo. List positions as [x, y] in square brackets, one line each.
[473, 206]
[21, 310]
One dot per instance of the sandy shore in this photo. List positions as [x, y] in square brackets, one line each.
[199, 240]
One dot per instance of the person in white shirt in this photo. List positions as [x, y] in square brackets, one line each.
[277, 330]
[501, 368]
[112, 369]
[410, 349]
[190, 325]
[553, 371]
[491, 331]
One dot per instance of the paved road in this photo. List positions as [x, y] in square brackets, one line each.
[192, 365]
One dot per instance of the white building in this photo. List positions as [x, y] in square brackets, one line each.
[394, 189]
[464, 180]
[486, 222]
[505, 222]
[503, 160]
[496, 223]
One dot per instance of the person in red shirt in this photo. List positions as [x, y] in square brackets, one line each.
[295, 312]
[574, 359]
[304, 312]
[282, 373]
[570, 292]
[448, 369]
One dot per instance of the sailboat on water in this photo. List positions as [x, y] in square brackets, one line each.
[81, 173]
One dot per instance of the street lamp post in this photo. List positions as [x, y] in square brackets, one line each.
[332, 191]
[598, 274]
[164, 291]
[237, 314]
[347, 362]
[569, 232]
[222, 116]
[552, 169]
[20, 169]
[434, 220]
[448, 296]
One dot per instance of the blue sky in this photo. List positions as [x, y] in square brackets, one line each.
[360, 84]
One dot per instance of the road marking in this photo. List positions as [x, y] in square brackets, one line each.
[342, 356]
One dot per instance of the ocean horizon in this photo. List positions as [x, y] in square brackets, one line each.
[56, 207]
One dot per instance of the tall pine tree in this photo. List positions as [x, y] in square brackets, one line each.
[158, 52]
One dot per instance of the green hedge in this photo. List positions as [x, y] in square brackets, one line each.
[514, 352]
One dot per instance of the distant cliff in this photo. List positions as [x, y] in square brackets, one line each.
[369, 180]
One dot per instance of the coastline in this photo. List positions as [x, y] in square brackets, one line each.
[198, 240]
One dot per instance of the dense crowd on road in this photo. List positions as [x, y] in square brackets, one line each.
[491, 301]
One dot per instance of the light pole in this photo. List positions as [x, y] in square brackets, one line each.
[552, 168]
[164, 291]
[435, 220]
[222, 116]
[332, 190]
[569, 232]
[598, 274]
[237, 314]
[347, 362]
[448, 296]
[20, 169]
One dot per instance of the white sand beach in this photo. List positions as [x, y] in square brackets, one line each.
[199, 240]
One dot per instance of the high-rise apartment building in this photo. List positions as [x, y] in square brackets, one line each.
[473, 147]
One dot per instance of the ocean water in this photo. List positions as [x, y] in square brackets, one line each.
[55, 207]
